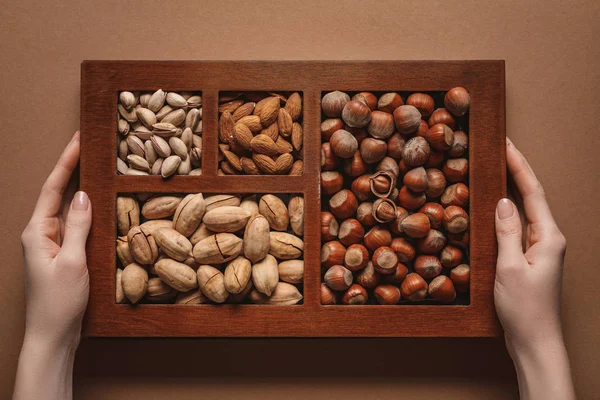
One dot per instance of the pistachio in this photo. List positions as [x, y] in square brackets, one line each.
[169, 166]
[157, 100]
[179, 148]
[176, 100]
[146, 117]
[175, 117]
[161, 146]
[127, 99]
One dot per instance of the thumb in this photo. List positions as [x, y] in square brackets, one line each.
[509, 232]
[77, 226]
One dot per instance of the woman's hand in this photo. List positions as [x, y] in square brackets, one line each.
[57, 283]
[527, 292]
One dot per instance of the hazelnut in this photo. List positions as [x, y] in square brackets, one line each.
[423, 128]
[329, 161]
[411, 200]
[384, 260]
[338, 278]
[388, 164]
[351, 232]
[377, 237]
[388, 102]
[456, 169]
[435, 160]
[381, 125]
[455, 195]
[343, 204]
[405, 251]
[382, 183]
[359, 133]
[384, 210]
[399, 274]
[415, 225]
[442, 116]
[442, 289]
[343, 144]
[455, 219]
[329, 226]
[407, 119]
[373, 150]
[329, 126]
[440, 137]
[361, 187]
[416, 152]
[451, 256]
[387, 294]
[434, 212]
[355, 165]
[364, 214]
[395, 146]
[331, 182]
[436, 183]
[460, 277]
[396, 224]
[328, 297]
[356, 114]
[423, 102]
[461, 142]
[355, 295]
[368, 277]
[413, 288]
[433, 243]
[357, 257]
[459, 239]
[333, 103]
[332, 253]
[457, 101]
[428, 266]
[367, 98]
[402, 167]
[416, 180]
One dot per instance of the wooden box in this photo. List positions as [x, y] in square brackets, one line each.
[102, 80]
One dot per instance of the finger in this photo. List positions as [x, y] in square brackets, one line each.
[537, 210]
[77, 228]
[49, 202]
[509, 233]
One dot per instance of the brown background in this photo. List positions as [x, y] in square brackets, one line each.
[552, 63]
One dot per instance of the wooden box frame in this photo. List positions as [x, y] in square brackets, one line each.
[100, 83]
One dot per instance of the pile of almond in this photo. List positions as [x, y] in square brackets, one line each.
[260, 133]
[216, 249]
[159, 133]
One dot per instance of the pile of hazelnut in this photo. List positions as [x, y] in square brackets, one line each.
[395, 221]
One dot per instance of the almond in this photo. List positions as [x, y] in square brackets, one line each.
[294, 106]
[297, 136]
[230, 106]
[284, 121]
[283, 146]
[233, 160]
[242, 135]
[269, 111]
[243, 111]
[271, 131]
[297, 168]
[226, 124]
[283, 163]
[263, 144]
[264, 163]
[252, 122]
[249, 167]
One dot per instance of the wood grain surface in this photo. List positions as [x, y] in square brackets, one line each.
[102, 80]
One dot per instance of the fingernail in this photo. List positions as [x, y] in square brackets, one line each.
[75, 136]
[509, 142]
[505, 209]
[80, 201]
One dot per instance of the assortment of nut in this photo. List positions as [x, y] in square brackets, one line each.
[395, 220]
[159, 133]
[260, 133]
[221, 248]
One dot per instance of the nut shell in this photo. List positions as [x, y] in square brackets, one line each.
[376, 237]
[343, 204]
[455, 219]
[381, 125]
[356, 114]
[413, 288]
[343, 143]
[416, 152]
[407, 119]
[442, 289]
[333, 103]
[385, 260]
[405, 250]
[356, 257]
[368, 277]
[457, 101]
[428, 266]
[355, 295]
[387, 294]
[416, 225]
[441, 116]
[373, 150]
[423, 102]
[416, 180]
[351, 231]
[329, 226]
[440, 137]
[460, 277]
[332, 253]
[338, 278]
